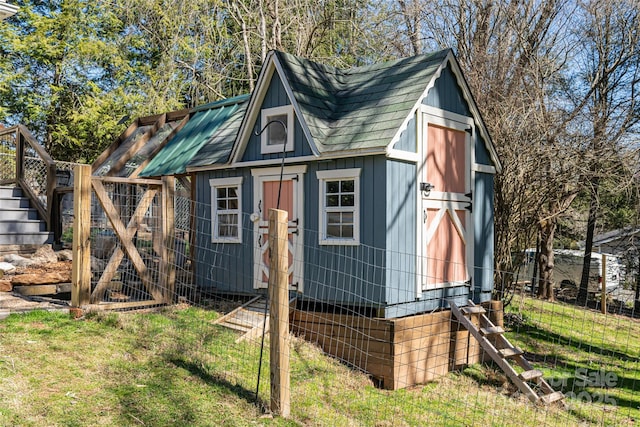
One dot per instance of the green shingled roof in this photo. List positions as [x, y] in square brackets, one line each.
[359, 108]
[205, 124]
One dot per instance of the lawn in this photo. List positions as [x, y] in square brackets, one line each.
[175, 368]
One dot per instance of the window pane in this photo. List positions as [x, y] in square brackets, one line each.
[347, 200]
[232, 192]
[221, 192]
[333, 231]
[222, 204]
[347, 231]
[276, 132]
[233, 204]
[334, 217]
[347, 217]
[332, 200]
[347, 186]
[333, 186]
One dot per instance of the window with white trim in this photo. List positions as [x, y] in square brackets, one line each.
[339, 207]
[275, 135]
[226, 210]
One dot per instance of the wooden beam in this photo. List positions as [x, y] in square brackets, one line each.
[136, 146]
[168, 229]
[81, 266]
[114, 146]
[279, 312]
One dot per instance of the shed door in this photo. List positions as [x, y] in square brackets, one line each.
[447, 237]
[266, 188]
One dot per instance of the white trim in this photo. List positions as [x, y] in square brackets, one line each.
[214, 184]
[416, 106]
[288, 160]
[439, 113]
[7, 10]
[273, 174]
[478, 167]
[406, 156]
[265, 115]
[339, 174]
[288, 170]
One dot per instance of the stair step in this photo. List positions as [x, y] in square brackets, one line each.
[530, 375]
[473, 309]
[510, 352]
[10, 191]
[236, 327]
[552, 397]
[493, 330]
[14, 202]
[22, 226]
[41, 238]
[18, 214]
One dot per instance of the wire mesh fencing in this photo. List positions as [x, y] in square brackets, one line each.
[371, 341]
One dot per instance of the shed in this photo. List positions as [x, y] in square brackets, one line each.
[387, 174]
[388, 166]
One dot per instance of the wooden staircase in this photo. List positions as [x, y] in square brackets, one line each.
[20, 223]
[529, 380]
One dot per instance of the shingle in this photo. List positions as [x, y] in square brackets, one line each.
[361, 107]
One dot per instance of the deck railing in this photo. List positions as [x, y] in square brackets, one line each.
[26, 163]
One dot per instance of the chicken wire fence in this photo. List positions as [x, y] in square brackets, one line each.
[349, 365]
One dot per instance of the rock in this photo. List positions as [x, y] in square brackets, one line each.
[6, 267]
[65, 255]
[17, 260]
[97, 265]
[40, 278]
[5, 285]
[44, 255]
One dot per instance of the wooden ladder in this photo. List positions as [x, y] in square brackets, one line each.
[249, 319]
[530, 380]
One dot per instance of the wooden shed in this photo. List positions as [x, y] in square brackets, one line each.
[387, 175]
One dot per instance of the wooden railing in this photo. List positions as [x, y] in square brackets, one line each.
[26, 163]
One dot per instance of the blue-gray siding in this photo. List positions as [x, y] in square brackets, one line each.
[276, 96]
[484, 237]
[446, 95]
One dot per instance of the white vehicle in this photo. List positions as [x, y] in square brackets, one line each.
[567, 269]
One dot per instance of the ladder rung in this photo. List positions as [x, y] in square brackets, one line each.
[552, 397]
[510, 352]
[473, 309]
[530, 375]
[493, 330]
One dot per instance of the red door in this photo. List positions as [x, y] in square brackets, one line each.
[267, 185]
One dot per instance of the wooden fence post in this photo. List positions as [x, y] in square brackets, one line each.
[168, 229]
[81, 267]
[279, 312]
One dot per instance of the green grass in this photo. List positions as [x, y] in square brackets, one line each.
[593, 358]
[176, 368]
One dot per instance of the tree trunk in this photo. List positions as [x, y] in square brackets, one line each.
[545, 260]
[588, 245]
[636, 301]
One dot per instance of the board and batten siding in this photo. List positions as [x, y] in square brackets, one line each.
[276, 96]
[484, 237]
[349, 275]
[446, 95]
[225, 267]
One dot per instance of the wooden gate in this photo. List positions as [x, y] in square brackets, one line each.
[123, 241]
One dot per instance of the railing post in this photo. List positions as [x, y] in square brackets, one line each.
[19, 155]
[279, 312]
[603, 289]
[81, 267]
[167, 259]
